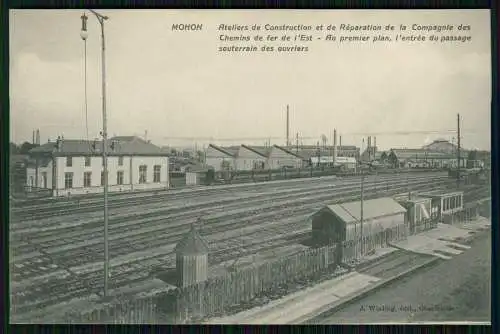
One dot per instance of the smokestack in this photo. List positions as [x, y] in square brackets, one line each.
[38, 136]
[287, 125]
[334, 146]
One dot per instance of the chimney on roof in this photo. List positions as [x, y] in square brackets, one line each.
[59, 144]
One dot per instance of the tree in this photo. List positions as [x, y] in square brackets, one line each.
[14, 149]
[26, 147]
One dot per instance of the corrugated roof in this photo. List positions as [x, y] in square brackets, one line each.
[115, 147]
[192, 244]
[374, 208]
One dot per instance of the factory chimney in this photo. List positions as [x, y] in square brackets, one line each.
[37, 137]
[334, 146]
[287, 125]
[369, 149]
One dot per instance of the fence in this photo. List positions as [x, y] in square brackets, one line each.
[214, 296]
[121, 310]
[353, 249]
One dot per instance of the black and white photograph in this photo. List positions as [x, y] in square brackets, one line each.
[250, 166]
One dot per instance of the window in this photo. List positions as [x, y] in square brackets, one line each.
[102, 178]
[87, 161]
[87, 179]
[119, 177]
[156, 173]
[69, 161]
[143, 173]
[68, 180]
[120, 161]
[44, 179]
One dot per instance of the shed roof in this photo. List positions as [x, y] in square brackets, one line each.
[228, 150]
[439, 193]
[288, 150]
[115, 147]
[260, 150]
[192, 244]
[374, 208]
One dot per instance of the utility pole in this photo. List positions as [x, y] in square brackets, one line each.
[458, 150]
[361, 214]
[84, 34]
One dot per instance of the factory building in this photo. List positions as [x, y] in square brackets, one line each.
[252, 158]
[383, 222]
[411, 158]
[281, 157]
[71, 167]
[221, 158]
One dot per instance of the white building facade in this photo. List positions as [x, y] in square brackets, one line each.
[69, 170]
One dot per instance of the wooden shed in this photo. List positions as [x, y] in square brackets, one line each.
[383, 222]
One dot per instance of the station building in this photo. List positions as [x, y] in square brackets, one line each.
[68, 167]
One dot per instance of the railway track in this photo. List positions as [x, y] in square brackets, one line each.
[78, 284]
[58, 208]
[87, 235]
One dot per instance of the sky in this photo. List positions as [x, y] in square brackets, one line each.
[175, 84]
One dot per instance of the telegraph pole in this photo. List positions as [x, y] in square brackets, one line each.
[458, 150]
[362, 200]
[84, 34]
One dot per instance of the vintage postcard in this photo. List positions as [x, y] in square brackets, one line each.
[250, 166]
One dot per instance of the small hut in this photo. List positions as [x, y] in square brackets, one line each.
[191, 259]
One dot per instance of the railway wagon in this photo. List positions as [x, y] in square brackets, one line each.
[444, 203]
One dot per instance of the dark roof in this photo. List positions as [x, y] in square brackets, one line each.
[374, 208]
[82, 147]
[260, 150]
[288, 150]
[230, 150]
[192, 244]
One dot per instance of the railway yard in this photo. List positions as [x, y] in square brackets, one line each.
[56, 247]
